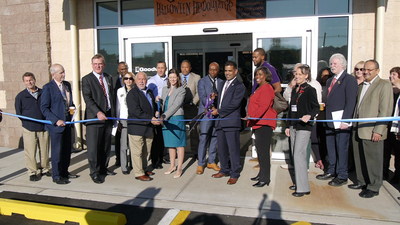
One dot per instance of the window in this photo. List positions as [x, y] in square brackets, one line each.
[289, 8]
[332, 37]
[107, 45]
[329, 7]
[137, 12]
[107, 13]
[146, 55]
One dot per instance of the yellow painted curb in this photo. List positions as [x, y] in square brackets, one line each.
[60, 214]
[301, 223]
[180, 217]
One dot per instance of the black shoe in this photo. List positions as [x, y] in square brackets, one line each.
[110, 173]
[293, 187]
[336, 182]
[356, 186]
[300, 194]
[126, 172]
[158, 166]
[368, 193]
[73, 176]
[260, 184]
[47, 174]
[60, 180]
[256, 178]
[34, 177]
[325, 176]
[97, 179]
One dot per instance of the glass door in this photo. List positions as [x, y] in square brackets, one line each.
[142, 54]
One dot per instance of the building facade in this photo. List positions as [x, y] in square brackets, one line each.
[36, 33]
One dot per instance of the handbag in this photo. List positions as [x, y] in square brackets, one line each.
[280, 103]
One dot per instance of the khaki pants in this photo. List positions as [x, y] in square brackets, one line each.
[140, 146]
[33, 139]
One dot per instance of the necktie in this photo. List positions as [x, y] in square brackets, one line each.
[331, 86]
[226, 86]
[104, 90]
[184, 81]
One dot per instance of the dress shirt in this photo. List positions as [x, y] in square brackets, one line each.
[225, 88]
[34, 94]
[159, 82]
[106, 87]
[364, 90]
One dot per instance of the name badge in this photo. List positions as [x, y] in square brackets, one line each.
[294, 108]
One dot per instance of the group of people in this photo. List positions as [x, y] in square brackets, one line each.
[155, 114]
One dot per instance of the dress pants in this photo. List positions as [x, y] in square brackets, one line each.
[368, 160]
[98, 147]
[229, 152]
[139, 148]
[33, 139]
[157, 147]
[337, 144]
[263, 143]
[60, 152]
[208, 139]
[299, 140]
[124, 147]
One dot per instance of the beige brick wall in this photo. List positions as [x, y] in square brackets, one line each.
[25, 47]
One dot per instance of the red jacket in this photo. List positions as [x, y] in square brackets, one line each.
[260, 106]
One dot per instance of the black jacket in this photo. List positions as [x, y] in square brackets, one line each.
[27, 105]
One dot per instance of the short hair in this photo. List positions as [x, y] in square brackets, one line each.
[305, 69]
[186, 61]
[121, 63]
[99, 56]
[374, 62]
[213, 63]
[341, 58]
[179, 82]
[28, 74]
[231, 63]
[266, 71]
[261, 51]
[396, 70]
[53, 68]
[163, 62]
[143, 73]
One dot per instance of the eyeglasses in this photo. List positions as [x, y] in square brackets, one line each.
[357, 69]
[128, 78]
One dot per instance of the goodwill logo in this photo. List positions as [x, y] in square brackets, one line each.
[145, 69]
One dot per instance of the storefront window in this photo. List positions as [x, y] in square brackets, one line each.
[107, 45]
[289, 8]
[107, 13]
[333, 38]
[146, 55]
[329, 7]
[138, 12]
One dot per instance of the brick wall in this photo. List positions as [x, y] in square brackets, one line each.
[25, 46]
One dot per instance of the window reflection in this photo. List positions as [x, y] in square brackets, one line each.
[289, 8]
[107, 13]
[146, 55]
[332, 37]
[138, 12]
[107, 45]
[329, 7]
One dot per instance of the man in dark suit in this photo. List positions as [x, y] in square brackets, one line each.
[207, 89]
[341, 100]
[375, 99]
[118, 82]
[141, 105]
[228, 130]
[55, 104]
[98, 94]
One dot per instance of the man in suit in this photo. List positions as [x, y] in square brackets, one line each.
[375, 99]
[55, 103]
[229, 101]
[207, 88]
[190, 81]
[141, 105]
[27, 103]
[98, 94]
[341, 99]
[156, 84]
[118, 82]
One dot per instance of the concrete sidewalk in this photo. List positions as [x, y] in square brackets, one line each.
[202, 193]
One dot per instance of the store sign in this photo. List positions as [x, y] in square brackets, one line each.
[183, 11]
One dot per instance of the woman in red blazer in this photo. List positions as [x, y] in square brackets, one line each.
[260, 106]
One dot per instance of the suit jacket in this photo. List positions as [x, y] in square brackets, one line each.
[175, 101]
[54, 106]
[205, 88]
[230, 106]
[192, 95]
[94, 96]
[377, 102]
[139, 107]
[117, 85]
[343, 96]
